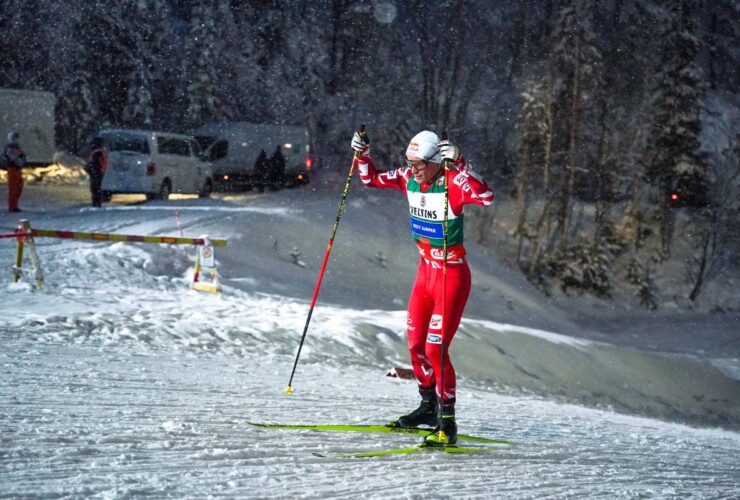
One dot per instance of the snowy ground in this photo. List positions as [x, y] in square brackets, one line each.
[120, 382]
[115, 421]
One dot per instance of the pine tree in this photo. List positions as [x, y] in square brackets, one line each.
[535, 129]
[204, 101]
[676, 158]
[572, 75]
[110, 52]
[24, 39]
[229, 62]
[76, 110]
[720, 36]
[74, 85]
[716, 239]
[150, 53]
[578, 62]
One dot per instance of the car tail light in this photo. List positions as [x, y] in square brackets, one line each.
[309, 162]
[151, 169]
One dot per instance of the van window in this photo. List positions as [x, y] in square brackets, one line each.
[195, 148]
[219, 150]
[173, 146]
[204, 141]
[127, 142]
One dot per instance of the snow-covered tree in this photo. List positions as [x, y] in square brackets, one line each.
[720, 34]
[151, 64]
[535, 135]
[24, 44]
[201, 77]
[572, 76]
[716, 239]
[676, 159]
[139, 110]
[578, 64]
[76, 110]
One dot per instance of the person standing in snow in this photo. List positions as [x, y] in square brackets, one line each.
[436, 304]
[13, 160]
[277, 169]
[261, 171]
[95, 168]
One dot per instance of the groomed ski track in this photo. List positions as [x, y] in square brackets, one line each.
[121, 421]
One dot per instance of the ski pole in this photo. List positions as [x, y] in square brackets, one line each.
[446, 164]
[289, 389]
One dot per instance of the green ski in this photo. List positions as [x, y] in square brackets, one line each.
[374, 429]
[407, 451]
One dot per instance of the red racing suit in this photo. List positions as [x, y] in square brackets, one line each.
[437, 301]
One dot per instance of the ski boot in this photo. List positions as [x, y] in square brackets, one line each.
[445, 433]
[424, 415]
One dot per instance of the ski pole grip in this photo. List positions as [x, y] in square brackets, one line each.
[446, 164]
[364, 135]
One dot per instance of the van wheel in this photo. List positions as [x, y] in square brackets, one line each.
[164, 192]
[207, 189]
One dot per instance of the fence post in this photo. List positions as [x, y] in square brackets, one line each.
[26, 238]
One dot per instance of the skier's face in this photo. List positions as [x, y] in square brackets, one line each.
[423, 171]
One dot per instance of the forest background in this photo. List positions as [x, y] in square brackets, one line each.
[609, 128]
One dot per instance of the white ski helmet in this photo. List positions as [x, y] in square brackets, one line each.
[424, 146]
[13, 137]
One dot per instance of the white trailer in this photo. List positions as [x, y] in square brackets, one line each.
[31, 114]
[233, 148]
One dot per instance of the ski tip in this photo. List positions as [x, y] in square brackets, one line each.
[288, 390]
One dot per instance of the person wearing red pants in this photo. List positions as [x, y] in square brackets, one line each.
[442, 287]
[13, 160]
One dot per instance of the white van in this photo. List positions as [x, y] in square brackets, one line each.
[155, 164]
[233, 148]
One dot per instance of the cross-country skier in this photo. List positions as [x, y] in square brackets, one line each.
[437, 302]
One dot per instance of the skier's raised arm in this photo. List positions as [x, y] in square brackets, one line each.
[369, 175]
[468, 186]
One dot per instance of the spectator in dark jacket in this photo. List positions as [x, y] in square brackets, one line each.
[95, 168]
[261, 171]
[13, 161]
[277, 171]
